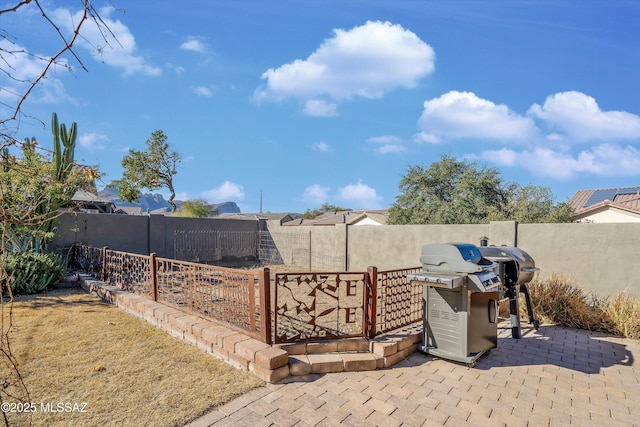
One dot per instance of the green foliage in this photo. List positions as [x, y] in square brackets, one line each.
[152, 169]
[448, 192]
[460, 192]
[63, 159]
[196, 208]
[325, 208]
[31, 272]
[533, 204]
[34, 186]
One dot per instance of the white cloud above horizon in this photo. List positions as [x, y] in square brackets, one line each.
[570, 118]
[463, 115]
[320, 108]
[351, 196]
[578, 117]
[315, 194]
[359, 196]
[121, 49]
[93, 141]
[228, 191]
[321, 146]
[366, 61]
[194, 44]
[202, 91]
[387, 144]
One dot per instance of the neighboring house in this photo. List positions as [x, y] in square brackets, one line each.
[355, 218]
[621, 204]
[85, 201]
[129, 210]
[282, 217]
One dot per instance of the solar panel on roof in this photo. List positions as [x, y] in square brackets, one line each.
[629, 190]
[600, 196]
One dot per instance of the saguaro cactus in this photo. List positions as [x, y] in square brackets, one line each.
[63, 159]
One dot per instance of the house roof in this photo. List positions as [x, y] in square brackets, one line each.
[282, 217]
[86, 196]
[86, 200]
[624, 198]
[129, 210]
[344, 217]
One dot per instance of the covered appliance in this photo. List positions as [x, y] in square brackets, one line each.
[460, 301]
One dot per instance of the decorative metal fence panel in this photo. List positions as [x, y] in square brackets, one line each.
[216, 292]
[398, 303]
[207, 246]
[129, 271]
[219, 293]
[293, 307]
[88, 259]
[313, 306]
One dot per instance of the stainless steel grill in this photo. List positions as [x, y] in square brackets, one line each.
[460, 301]
[516, 268]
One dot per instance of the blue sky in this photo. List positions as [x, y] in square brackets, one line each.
[331, 101]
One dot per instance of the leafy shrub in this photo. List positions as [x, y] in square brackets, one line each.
[31, 272]
[560, 301]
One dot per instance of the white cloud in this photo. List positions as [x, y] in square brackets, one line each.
[320, 108]
[425, 137]
[601, 160]
[177, 69]
[315, 194]
[388, 144]
[391, 148]
[463, 115]
[365, 61]
[25, 68]
[321, 146]
[93, 141]
[359, 196]
[194, 45]
[228, 191]
[504, 157]
[119, 52]
[202, 91]
[579, 117]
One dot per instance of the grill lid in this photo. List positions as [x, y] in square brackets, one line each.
[454, 258]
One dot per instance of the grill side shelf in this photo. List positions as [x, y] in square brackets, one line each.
[446, 281]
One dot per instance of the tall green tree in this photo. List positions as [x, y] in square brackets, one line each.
[196, 208]
[151, 169]
[461, 192]
[531, 204]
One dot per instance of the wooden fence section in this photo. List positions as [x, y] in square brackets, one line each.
[306, 306]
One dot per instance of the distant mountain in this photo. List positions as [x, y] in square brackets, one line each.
[154, 202]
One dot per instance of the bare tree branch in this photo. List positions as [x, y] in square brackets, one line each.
[67, 46]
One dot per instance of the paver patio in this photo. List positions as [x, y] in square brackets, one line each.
[550, 377]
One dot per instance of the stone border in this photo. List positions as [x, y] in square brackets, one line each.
[269, 363]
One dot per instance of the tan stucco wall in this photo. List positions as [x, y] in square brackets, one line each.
[602, 258]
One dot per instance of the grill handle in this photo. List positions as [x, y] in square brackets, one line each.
[493, 311]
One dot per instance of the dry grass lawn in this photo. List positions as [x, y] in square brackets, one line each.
[74, 348]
